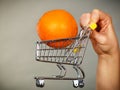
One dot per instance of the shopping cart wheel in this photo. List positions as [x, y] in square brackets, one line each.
[75, 83]
[81, 83]
[40, 83]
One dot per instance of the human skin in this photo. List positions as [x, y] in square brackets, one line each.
[105, 44]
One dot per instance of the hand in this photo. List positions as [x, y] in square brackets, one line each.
[105, 44]
[103, 38]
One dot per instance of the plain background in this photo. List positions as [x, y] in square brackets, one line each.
[18, 35]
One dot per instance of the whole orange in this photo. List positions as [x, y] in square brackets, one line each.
[57, 24]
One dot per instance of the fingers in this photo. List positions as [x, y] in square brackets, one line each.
[85, 19]
[103, 22]
[96, 16]
[96, 36]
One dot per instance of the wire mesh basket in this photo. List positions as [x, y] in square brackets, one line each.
[71, 55]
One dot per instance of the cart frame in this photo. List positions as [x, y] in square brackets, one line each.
[72, 55]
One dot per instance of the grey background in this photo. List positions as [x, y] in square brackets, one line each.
[18, 35]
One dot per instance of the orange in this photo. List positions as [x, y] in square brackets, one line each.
[57, 24]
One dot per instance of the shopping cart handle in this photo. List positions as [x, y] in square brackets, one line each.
[93, 26]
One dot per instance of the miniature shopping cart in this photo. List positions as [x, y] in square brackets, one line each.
[71, 55]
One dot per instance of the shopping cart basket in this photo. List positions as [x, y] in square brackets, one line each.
[71, 55]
